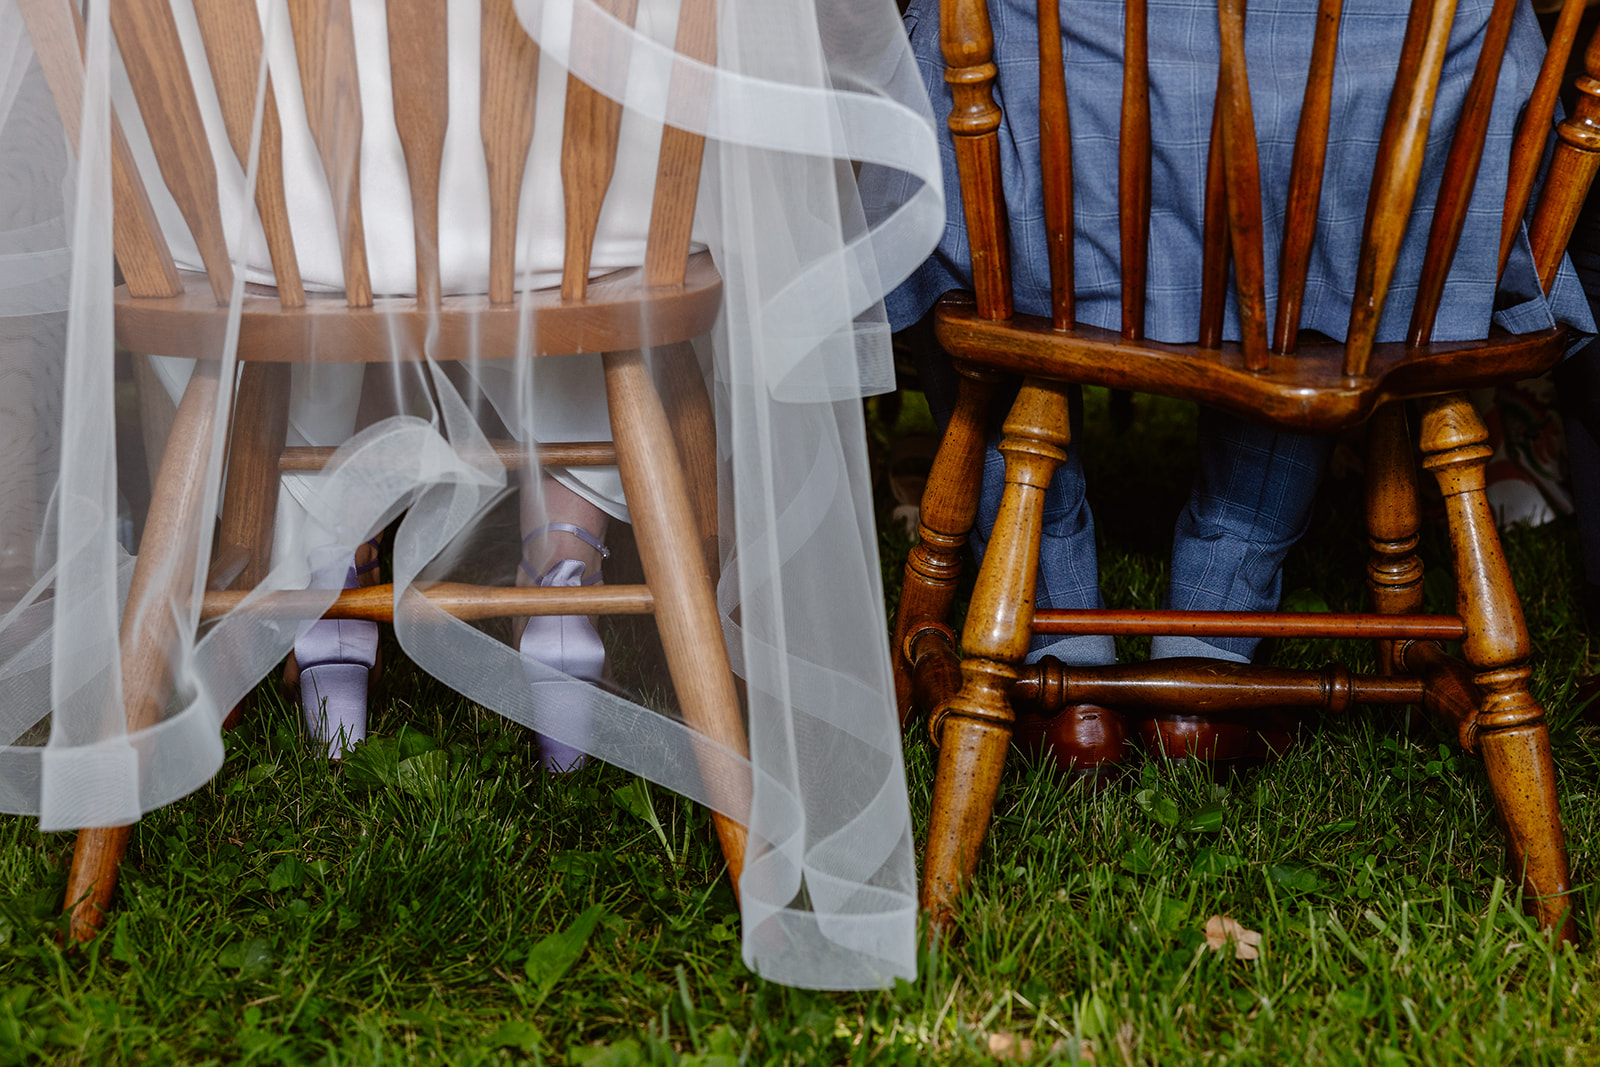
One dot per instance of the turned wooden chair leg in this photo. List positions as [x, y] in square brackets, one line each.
[1510, 729]
[974, 728]
[1394, 570]
[949, 509]
[675, 570]
[694, 431]
[161, 576]
[250, 497]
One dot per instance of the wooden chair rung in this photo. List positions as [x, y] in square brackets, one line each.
[309, 459]
[1134, 622]
[375, 603]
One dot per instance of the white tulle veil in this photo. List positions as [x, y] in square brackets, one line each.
[801, 93]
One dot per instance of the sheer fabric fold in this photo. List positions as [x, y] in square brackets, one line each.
[800, 92]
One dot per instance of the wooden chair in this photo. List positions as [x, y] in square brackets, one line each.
[1323, 387]
[672, 298]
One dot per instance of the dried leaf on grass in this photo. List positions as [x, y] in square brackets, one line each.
[1004, 1045]
[1220, 929]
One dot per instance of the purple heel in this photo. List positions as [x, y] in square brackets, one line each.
[569, 644]
[335, 656]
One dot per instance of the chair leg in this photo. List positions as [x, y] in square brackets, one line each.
[674, 567]
[694, 431]
[161, 577]
[974, 728]
[949, 509]
[1394, 570]
[250, 499]
[1510, 729]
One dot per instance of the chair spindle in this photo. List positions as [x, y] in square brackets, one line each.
[231, 30]
[1396, 172]
[588, 158]
[1572, 168]
[324, 40]
[666, 256]
[967, 40]
[1055, 149]
[1215, 253]
[1460, 174]
[419, 61]
[1305, 178]
[508, 83]
[141, 248]
[1527, 150]
[165, 94]
[1241, 163]
[1133, 166]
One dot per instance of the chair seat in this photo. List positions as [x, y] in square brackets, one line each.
[611, 318]
[1306, 391]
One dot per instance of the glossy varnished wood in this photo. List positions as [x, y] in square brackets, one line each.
[949, 509]
[1572, 170]
[1396, 172]
[974, 728]
[1241, 165]
[1305, 177]
[1460, 173]
[1133, 166]
[1192, 686]
[1055, 150]
[1509, 729]
[1394, 522]
[967, 42]
[1308, 392]
[1143, 623]
[1527, 150]
[512, 454]
[1214, 254]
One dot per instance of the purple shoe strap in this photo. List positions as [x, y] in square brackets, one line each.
[576, 531]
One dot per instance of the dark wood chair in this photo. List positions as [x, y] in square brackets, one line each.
[1306, 384]
[671, 299]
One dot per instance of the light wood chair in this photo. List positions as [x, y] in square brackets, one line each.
[671, 299]
[1306, 384]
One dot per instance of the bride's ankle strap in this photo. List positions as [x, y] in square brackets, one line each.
[576, 531]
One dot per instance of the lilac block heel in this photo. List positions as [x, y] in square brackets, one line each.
[569, 644]
[335, 657]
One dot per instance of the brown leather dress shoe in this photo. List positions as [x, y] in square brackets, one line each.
[1084, 740]
[1228, 742]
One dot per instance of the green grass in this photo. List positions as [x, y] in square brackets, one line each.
[439, 900]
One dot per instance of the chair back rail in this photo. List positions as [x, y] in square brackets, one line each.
[1572, 168]
[1232, 237]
